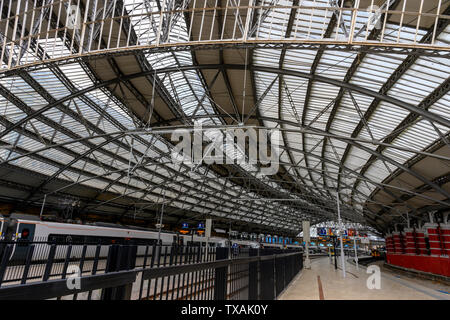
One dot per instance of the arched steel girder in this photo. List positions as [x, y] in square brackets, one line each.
[407, 63]
[69, 168]
[314, 66]
[426, 103]
[377, 184]
[374, 34]
[358, 145]
[170, 129]
[426, 114]
[77, 158]
[48, 97]
[113, 136]
[349, 86]
[131, 187]
[158, 71]
[281, 84]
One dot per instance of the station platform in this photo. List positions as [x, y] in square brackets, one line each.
[323, 282]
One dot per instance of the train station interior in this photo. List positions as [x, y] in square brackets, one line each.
[220, 150]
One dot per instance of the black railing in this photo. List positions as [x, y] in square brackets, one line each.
[152, 272]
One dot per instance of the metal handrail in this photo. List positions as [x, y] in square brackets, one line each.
[57, 288]
[94, 34]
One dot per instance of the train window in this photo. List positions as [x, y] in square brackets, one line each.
[144, 242]
[25, 233]
[94, 240]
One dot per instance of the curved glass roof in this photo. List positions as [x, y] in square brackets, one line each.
[369, 125]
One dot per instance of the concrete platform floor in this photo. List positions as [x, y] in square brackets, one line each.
[322, 281]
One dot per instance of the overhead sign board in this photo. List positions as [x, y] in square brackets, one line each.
[322, 231]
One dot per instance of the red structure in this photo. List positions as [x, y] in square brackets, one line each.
[410, 246]
[389, 244]
[411, 253]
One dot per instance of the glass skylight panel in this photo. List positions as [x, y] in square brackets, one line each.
[404, 35]
[267, 57]
[418, 136]
[299, 60]
[377, 172]
[76, 75]
[398, 155]
[334, 64]
[37, 166]
[322, 96]
[47, 79]
[24, 92]
[374, 70]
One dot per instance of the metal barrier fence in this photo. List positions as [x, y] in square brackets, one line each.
[65, 29]
[22, 262]
[45, 270]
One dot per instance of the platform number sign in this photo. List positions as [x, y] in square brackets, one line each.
[322, 231]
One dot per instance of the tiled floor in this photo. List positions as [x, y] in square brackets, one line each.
[353, 287]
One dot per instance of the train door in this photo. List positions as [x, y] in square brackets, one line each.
[2, 232]
[2, 237]
[24, 235]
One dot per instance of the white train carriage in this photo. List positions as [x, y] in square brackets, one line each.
[64, 234]
[77, 234]
[294, 246]
[245, 243]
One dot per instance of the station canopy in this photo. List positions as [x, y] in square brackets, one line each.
[87, 109]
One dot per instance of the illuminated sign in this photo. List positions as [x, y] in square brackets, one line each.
[201, 226]
[185, 225]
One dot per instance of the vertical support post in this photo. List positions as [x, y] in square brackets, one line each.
[4, 262]
[43, 205]
[27, 264]
[220, 279]
[267, 276]
[253, 276]
[341, 229]
[49, 265]
[279, 273]
[119, 258]
[306, 238]
[329, 255]
[247, 20]
[356, 252]
[334, 251]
